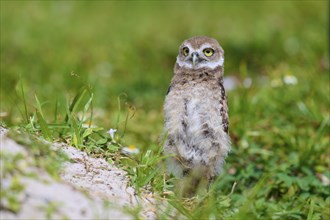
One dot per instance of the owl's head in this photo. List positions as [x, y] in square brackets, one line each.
[200, 52]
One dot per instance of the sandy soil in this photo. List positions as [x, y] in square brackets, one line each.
[89, 188]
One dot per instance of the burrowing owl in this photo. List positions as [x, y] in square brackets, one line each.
[196, 111]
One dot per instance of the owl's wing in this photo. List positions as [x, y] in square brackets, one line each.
[169, 89]
[224, 108]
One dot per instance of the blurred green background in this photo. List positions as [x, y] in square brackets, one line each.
[276, 53]
[55, 47]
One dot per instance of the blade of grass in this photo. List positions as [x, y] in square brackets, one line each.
[73, 107]
[311, 210]
[87, 106]
[130, 109]
[58, 125]
[24, 102]
[77, 101]
[39, 107]
[42, 122]
[43, 126]
[56, 110]
[177, 204]
[245, 209]
[76, 131]
[119, 108]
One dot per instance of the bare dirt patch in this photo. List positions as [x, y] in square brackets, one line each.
[88, 188]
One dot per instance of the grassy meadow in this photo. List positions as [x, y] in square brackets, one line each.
[72, 70]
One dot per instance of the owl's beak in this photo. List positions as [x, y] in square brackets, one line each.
[194, 58]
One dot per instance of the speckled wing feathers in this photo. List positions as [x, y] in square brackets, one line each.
[224, 107]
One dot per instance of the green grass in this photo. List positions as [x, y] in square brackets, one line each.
[66, 66]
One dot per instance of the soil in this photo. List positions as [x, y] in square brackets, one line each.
[88, 188]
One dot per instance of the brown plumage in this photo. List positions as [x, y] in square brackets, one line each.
[196, 111]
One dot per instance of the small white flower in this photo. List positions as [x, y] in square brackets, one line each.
[131, 149]
[247, 82]
[290, 80]
[324, 179]
[112, 132]
[230, 83]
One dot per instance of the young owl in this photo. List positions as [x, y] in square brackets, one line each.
[196, 111]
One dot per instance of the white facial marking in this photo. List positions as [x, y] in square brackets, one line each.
[209, 64]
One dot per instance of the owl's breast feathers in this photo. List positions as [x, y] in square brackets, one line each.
[187, 81]
[196, 120]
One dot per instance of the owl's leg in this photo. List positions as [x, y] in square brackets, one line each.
[193, 182]
[186, 172]
[175, 167]
[210, 182]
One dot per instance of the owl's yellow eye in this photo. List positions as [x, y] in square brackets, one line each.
[208, 52]
[185, 51]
